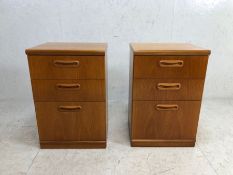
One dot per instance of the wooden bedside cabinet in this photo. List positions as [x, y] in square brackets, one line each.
[69, 91]
[166, 85]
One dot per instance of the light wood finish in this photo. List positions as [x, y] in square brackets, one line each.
[167, 49]
[151, 89]
[64, 48]
[149, 67]
[167, 107]
[166, 86]
[69, 91]
[69, 108]
[171, 63]
[47, 67]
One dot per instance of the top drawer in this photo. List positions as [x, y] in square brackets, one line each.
[67, 67]
[170, 66]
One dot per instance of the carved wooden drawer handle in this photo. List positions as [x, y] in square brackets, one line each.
[69, 108]
[68, 86]
[167, 107]
[168, 86]
[171, 63]
[66, 63]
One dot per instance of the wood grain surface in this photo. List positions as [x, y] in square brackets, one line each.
[149, 67]
[85, 124]
[64, 48]
[89, 67]
[166, 87]
[147, 89]
[167, 49]
[70, 94]
[69, 90]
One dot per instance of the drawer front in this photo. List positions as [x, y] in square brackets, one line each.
[71, 121]
[68, 90]
[165, 119]
[67, 67]
[167, 89]
[170, 66]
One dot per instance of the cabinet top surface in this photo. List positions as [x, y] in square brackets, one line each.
[62, 48]
[167, 49]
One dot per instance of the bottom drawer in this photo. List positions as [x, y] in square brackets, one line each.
[71, 121]
[162, 120]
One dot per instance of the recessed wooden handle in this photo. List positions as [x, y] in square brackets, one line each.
[168, 86]
[167, 107]
[171, 63]
[69, 108]
[68, 86]
[64, 63]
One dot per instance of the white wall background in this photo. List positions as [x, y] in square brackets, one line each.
[25, 23]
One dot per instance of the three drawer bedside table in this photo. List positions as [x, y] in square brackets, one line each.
[69, 91]
[166, 85]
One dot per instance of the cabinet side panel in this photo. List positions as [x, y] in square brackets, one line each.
[30, 72]
[106, 91]
[130, 92]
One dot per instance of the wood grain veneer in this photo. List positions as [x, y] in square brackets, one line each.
[71, 121]
[172, 89]
[65, 48]
[149, 67]
[166, 86]
[64, 67]
[70, 96]
[151, 123]
[68, 90]
[167, 49]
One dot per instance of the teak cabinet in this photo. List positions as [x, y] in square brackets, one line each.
[166, 85]
[69, 91]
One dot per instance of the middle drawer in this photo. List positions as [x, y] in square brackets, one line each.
[167, 89]
[68, 90]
